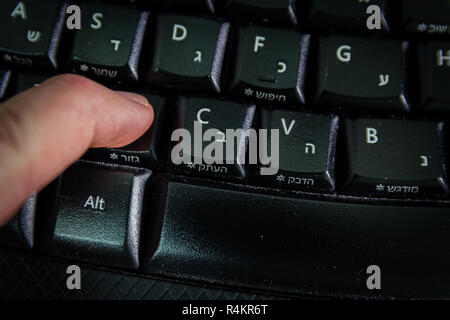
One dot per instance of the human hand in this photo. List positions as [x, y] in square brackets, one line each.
[45, 129]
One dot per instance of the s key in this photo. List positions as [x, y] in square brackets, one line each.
[30, 32]
[269, 65]
[108, 45]
[361, 74]
[394, 158]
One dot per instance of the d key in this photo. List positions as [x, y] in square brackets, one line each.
[188, 53]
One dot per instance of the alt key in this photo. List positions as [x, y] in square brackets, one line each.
[97, 213]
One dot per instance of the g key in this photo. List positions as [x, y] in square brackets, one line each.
[362, 74]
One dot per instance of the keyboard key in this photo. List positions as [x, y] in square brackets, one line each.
[19, 231]
[146, 151]
[97, 215]
[24, 81]
[5, 77]
[276, 11]
[188, 53]
[362, 74]
[218, 115]
[295, 245]
[344, 15]
[306, 150]
[30, 32]
[434, 77]
[152, 4]
[268, 67]
[192, 6]
[426, 17]
[394, 158]
[109, 43]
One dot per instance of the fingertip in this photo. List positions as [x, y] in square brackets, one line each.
[120, 117]
[134, 97]
[142, 101]
[129, 121]
[48, 127]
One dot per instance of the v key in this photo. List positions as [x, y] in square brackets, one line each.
[291, 125]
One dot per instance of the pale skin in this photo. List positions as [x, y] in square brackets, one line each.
[45, 129]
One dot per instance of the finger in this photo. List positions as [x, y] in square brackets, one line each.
[46, 128]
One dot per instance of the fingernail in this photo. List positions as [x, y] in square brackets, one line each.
[134, 97]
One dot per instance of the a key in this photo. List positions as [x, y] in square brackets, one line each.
[361, 74]
[188, 53]
[24, 81]
[192, 6]
[434, 76]
[5, 77]
[273, 11]
[425, 18]
[97, 215]
[218, 116]
[19, 231]
[394, 158]
[108, 45]
[347, 15]
[295, 245]
[146, 151]
[306, 150]
[269, 65]
[30, 32]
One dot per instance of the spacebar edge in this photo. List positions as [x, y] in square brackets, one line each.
[296, 246]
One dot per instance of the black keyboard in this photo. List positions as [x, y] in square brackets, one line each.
[362, 183]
